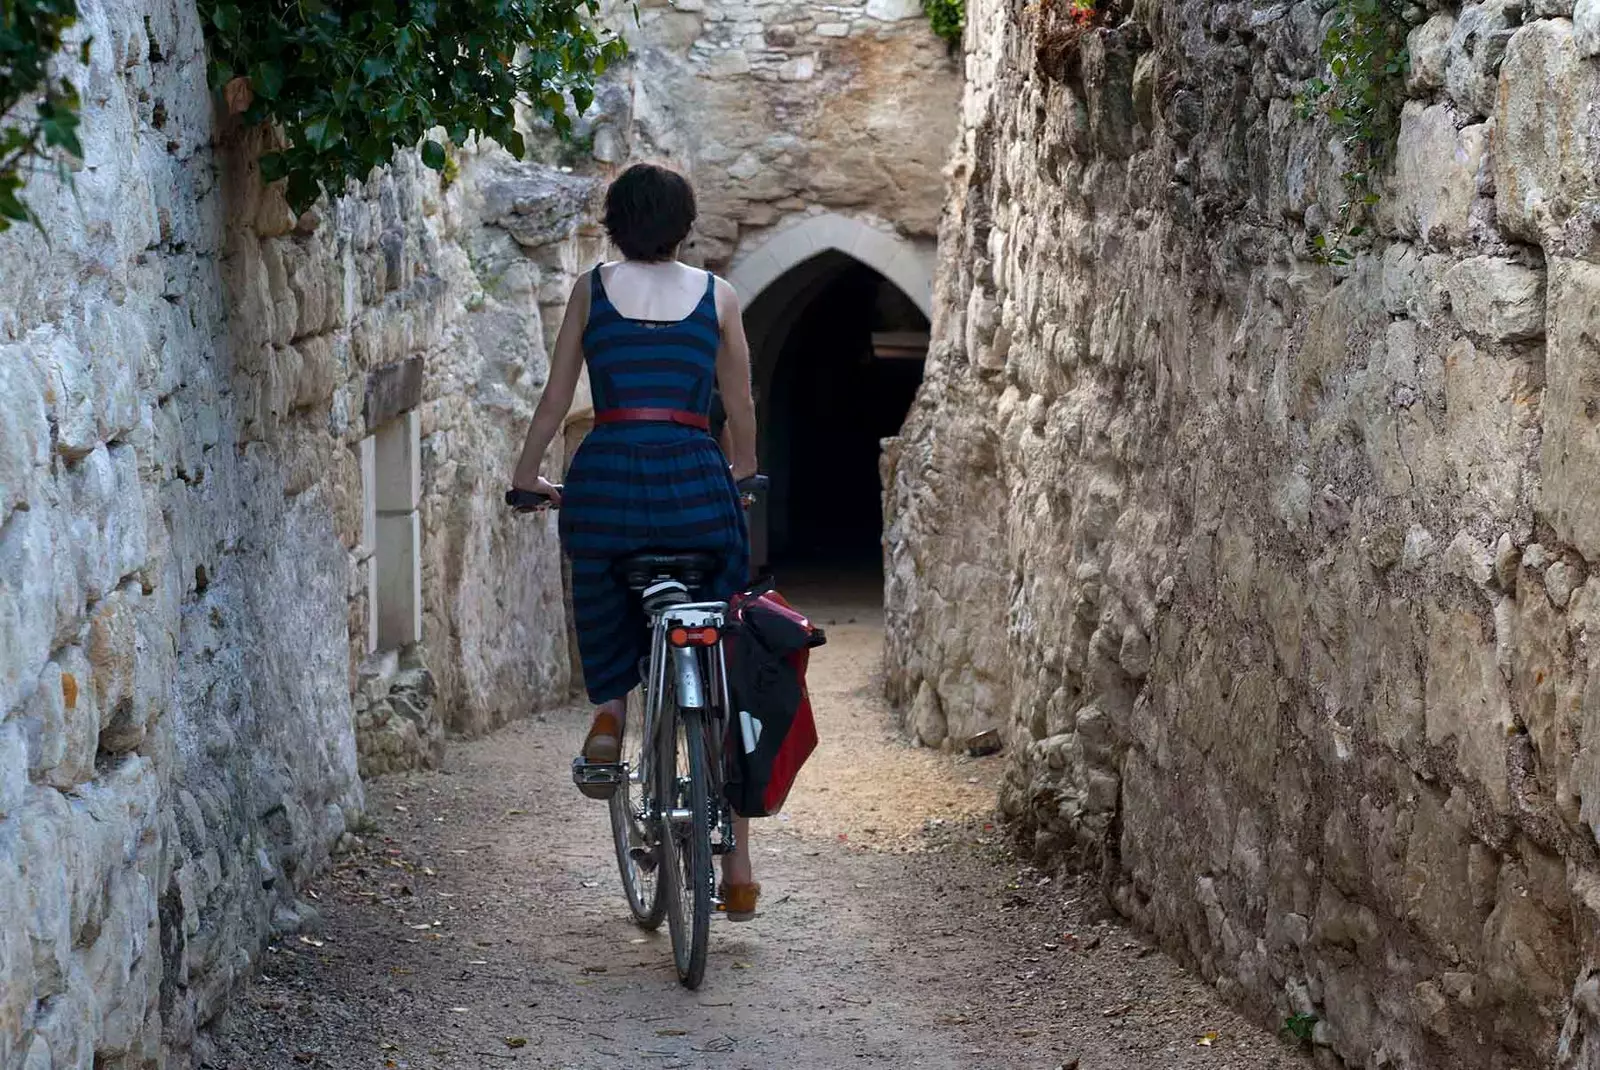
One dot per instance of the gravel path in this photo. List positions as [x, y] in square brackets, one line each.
[480, 925]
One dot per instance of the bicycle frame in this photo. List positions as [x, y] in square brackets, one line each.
[699, 679]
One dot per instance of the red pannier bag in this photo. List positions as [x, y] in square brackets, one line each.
[771, 731]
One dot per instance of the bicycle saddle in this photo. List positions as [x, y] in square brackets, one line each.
[690, 569]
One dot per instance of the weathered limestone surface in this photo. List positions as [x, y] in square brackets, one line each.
[783, 110]
[187, 533]
[1279, 577]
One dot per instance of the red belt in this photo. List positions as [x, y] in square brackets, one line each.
[653, 416]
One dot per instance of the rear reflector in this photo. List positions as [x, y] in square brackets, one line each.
[693, 637]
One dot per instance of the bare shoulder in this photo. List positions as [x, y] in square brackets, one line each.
[727, 296]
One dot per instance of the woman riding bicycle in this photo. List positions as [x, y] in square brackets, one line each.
[659, 338]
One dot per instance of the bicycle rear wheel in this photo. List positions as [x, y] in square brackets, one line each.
[686, 842]
[632, 829]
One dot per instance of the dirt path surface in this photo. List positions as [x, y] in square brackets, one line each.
[480, 925]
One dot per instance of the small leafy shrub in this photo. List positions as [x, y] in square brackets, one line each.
[38, 109]
[1300, 1026]
[350, 82]
[948, 19]
[1365, 50]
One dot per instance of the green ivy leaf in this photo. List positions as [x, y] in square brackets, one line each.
[226, 18]
[267, 78]
[323, 131]
[274, 165]
[11, 208]
[433, 155]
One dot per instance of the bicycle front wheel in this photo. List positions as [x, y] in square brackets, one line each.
[686, 841]
[632, 830]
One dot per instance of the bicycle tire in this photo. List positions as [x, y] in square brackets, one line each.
[686, 848]
[641, 887]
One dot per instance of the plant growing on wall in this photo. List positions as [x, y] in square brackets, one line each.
[1059, 26]
[38, 110]
[350, 82]
[1365, 50]
[948, 19]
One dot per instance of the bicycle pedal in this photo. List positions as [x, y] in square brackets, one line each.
[587, 772]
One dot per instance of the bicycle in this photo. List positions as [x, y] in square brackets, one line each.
[669, 817]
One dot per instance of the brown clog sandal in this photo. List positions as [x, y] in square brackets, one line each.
[603, 746]
[739, 900]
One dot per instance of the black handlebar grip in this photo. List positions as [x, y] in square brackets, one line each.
[755, 484]
[526, 499]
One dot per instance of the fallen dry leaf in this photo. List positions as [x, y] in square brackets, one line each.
[516, 1042]
[1205, 1040]
[239, 96]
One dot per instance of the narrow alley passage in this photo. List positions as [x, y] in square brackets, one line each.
[479, 925]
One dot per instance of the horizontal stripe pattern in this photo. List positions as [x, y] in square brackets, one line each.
[638, 487]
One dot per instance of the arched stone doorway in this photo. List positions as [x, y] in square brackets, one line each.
[837, 315]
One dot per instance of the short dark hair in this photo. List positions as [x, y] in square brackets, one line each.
[649, 211]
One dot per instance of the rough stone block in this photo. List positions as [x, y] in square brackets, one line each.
[927, 717]
[798, 69]
[106, 534]
[391, 390]
[399, 579]
[1490, 410]
[1477, 46]
[74, 394]
[13, 766]
[24, 429]
[1586, 27]
[893, 10]
[1435, 176]
[1570, 451]
[1466, 698]
[27, 603]
[1498, 299]
[1429, 45]
[1547, 146]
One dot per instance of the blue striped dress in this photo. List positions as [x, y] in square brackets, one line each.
[637, 487]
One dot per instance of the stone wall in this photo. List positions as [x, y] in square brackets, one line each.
[1277, 575]
[196, 518]
[783, 109]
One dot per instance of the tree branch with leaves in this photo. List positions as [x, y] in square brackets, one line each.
[38, 108]
[350, 83]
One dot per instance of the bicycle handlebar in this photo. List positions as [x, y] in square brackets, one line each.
[527, 501]
[531, 501]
